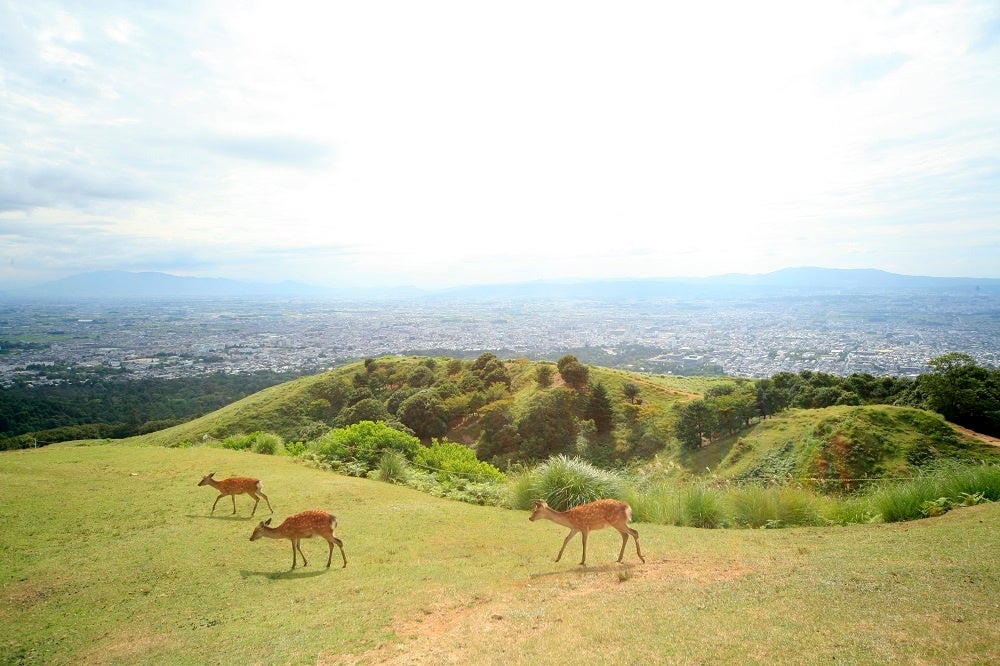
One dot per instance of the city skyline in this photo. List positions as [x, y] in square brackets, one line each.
[443, 144]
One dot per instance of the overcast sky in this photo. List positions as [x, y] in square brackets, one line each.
[441, 143]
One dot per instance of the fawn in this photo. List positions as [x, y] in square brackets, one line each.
[593, 516]
[302, 526]
[234, 486]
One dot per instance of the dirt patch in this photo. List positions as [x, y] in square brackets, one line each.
[128, 646]
[442, 635]
[988, 439]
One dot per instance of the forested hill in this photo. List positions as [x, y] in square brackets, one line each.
[518, 411]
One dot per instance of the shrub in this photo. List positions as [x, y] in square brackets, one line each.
[702, 507]
[364, 443]
[266, 443]
[565, 482]
[449, 459]
[392, 467]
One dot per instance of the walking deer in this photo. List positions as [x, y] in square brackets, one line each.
[593, 516]
[302, 526]
[234, 486]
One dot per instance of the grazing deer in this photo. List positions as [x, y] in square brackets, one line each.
[237, 485]
[302, 526]
[593, 516]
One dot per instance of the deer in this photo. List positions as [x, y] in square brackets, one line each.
[303, 526]
[592, 516]
[234, 486]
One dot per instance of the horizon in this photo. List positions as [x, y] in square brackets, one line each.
[445, 144]
[798, 271]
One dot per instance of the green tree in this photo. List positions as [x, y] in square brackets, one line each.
[599, 409]
[631, 392]
[696, 422]
[425, 414]
[574, 373]
[549, 425]
[368, 409]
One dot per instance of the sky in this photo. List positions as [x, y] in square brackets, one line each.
[435, 144]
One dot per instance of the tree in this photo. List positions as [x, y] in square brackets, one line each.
[697, 421]
[425, 414]
[574, 373]
[368, 409]
[543, 375]
[599, 409]
[549, 424]
[631, 392]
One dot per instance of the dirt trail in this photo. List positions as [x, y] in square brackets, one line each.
[989, 439]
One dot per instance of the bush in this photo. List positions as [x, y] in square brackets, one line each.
[702, 507]
[363, 444]
[266, 443]
[392, 467]
[449, 459]
[564, 483]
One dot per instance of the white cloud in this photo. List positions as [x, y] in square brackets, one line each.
[450, 142]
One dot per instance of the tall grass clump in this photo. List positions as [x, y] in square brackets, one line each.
[939, 488]
[564, 483]
[393, 468]
[658, 503]
[777, 506]
[702, 507]
[267, 443]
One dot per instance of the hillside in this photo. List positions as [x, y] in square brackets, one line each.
[498, 406]
[111, 557]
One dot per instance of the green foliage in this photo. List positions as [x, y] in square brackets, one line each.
[393, 468]
[267, 443]
[549, 425]
[363, 444]
[564, 482]
[449, 460]
[425, 414]
[702, 507]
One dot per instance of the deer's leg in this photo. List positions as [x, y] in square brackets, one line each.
[216, 502]
[233, 497]
[583, 562]
[294, 561]
[266, 500]
[342, 553]
[621, 553]
[256, 501]
[569, 536]
[635, 537]
[298, 544]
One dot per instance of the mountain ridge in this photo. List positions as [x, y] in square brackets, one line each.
[787, 282]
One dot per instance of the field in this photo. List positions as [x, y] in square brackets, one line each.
[110, 557]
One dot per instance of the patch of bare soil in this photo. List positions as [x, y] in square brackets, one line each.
[442, 635]
[128, 646]
[989, 439]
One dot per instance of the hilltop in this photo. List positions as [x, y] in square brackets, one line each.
[523, 411]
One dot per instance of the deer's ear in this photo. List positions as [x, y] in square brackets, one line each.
[266, 522]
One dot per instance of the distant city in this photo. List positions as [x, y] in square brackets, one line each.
[892, 333]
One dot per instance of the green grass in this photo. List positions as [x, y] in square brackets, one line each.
[110, 557]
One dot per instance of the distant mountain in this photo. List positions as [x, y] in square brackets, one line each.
[128, 285]
[786, 282]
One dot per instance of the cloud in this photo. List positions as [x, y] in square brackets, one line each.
[278, 150]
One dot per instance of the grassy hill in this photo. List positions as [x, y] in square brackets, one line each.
[110, 557]
[842, 443]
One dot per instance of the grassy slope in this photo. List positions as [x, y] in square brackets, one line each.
[110, 556]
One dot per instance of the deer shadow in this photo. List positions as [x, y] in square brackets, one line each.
[291, 574]
[230, 517]
[580, 570]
